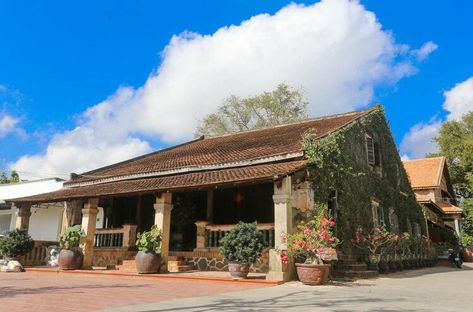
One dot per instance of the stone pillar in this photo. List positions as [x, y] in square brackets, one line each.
[457, 227]
[89, 219]
[72, 214]
[23, 214]
[282, 225]
[162, 219]
[201, 237]
[129, 235]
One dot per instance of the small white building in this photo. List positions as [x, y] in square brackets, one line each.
[46, 219]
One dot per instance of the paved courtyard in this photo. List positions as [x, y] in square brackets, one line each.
[433, 289]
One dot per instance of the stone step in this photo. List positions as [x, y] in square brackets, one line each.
[175, 258]
[176, 262]
[355, 274]
[180, 268]
[350, 267]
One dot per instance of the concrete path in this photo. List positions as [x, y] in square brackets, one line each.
[432, 289]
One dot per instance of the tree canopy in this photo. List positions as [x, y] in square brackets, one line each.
[282, 105]
[455, 141]
[12, 178]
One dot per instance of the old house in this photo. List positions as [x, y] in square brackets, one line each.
[430, 181]
[198, 190]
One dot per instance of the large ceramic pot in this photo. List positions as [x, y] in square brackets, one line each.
[70, 259]
[467, 254]
[147, 262]
[238, 270]
[313, 274]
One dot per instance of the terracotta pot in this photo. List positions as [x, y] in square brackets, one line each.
[70, 259]
[147, 262]
[313, 274]
[238, 270]
[467, 254]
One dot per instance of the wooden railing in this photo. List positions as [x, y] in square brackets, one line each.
[39, 255]
[209, 235]
[115, 237]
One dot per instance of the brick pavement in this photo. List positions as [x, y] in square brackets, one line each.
[34, 291]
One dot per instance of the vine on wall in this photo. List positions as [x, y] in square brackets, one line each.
[338, 162]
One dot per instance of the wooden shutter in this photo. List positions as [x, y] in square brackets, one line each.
[370, 150]
[377, 155]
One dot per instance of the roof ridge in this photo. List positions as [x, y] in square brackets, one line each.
[295, 122]
[424, 159]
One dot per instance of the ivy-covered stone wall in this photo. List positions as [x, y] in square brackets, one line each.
[339, 162]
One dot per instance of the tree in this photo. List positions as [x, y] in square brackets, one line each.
[282, 105]
[13, 178]
[455, 141]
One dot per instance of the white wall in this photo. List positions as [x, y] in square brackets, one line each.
[45, 220]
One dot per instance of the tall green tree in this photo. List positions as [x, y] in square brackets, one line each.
[455, 141]
[282, 105]
[12, 178]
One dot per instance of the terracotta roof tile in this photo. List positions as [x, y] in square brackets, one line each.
[266, 172]
[234, 148]
[448, 208]
[425, 172]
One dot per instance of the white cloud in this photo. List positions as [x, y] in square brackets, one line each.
[419, 140]
[8, 124]
[458, 101]
[425, 50]
[335, 50]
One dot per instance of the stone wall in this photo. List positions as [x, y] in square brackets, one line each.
[109, 256]
[212, 261]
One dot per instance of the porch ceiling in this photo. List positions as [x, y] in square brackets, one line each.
[172, 182]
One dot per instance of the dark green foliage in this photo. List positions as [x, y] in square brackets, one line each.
[455, 141]
[243, 244]
[449, 236]
[70, 239]
[150, 241]
[339, 162]
[16, 243]
[13, 178]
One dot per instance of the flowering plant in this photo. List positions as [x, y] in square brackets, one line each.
[404, 243]
[314, 242]
[377, 241]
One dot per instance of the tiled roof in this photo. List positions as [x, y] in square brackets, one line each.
[258, 173]
[448, 208]
[234, 150]
[426, 172]
[251, 156]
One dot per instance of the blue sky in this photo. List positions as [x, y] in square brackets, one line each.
[60, 58]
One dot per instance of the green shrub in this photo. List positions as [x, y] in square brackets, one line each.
[16, 243]
[467, 240]
[70, 239]
[150, 241]
[242, 244]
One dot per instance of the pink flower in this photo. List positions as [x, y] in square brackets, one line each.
[307, 231]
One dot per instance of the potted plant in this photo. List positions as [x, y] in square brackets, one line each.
[312, 246]
[375, 242]
[241, 247]
[15, 244]
[148, 258]
[70, 257]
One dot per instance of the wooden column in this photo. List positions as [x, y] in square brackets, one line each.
[23, 215]
[129, 235]
[162, 219]
[282, 225]
[201, 237]
[210, 205]
[89, 217]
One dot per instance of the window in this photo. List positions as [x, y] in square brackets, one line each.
[5, 220]
[373, 151]
[332, 202]
[393, 221]
[370, 150]
[409, 227]
[378, 214]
